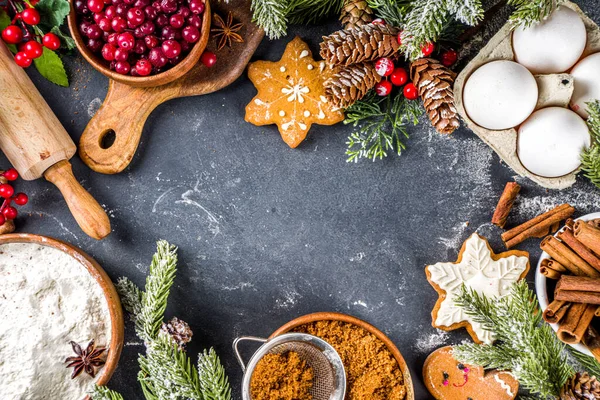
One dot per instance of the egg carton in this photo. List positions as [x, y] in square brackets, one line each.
[554, 90]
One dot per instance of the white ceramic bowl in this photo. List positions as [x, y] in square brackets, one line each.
[541, 288]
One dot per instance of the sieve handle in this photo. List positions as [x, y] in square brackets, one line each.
[236, 349]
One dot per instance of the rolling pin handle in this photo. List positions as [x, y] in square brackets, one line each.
[90, 216]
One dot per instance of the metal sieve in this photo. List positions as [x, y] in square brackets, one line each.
[329, 374]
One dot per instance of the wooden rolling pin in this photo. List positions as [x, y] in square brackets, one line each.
[36, 144]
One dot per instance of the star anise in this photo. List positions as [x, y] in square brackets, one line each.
[226, 33]
[86, 360]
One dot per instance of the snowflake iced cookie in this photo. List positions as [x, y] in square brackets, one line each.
[447, 379]
[478, 268]
[291, 94]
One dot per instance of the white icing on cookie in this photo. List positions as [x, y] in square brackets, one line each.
[306, 113]
[295, 92]
[282, 113]
[282, 69]
[310, 67]
[504, 385]
[303, 54]
[478, 271]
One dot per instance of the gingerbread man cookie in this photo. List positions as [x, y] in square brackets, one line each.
[291, 94]
[447, 379]
[480, 269]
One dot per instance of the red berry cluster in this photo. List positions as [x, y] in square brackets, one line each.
[140, 37]
[24, 32]
[393, 75]
[8, 212]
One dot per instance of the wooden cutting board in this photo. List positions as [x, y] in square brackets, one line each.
[125, 108]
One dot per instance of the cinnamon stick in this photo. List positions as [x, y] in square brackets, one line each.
[575, 296]
[555, 265]
[592, 340]
[555, 311]
[576, 323]
[595, 223]
[538, 226]
[569, 223]
[549, 272]
[567, 237]
[580, 283]
[588, 235]
[507, 199]
[571, 261]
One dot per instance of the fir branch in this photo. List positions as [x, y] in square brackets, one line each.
[529, 12]
[213, 379]
[590, 157]
[525, 346]
[104, 393]
[271, 15]
[158, 286]
[468, 12]
[310, 11]
[392, 11]
[131, 296]
[382, 125]
[590, 364]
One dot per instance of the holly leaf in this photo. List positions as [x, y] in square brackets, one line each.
[52, 12]
[4, 22]
[51, 67]
[65, 39]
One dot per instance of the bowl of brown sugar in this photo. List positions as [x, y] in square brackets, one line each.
[375, 369]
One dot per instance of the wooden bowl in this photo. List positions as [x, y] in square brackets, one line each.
[110, 294]
[333, 316]
[143, 81]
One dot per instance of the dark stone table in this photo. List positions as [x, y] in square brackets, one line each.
[267, 233]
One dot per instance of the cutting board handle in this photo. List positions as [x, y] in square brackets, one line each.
[122, 116]
[90, 216]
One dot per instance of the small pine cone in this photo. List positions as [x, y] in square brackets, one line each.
[356, 13]
[581, 386]
[434, 83]
[351, 83]
[7, 227]
[179, 331]
[364, 43]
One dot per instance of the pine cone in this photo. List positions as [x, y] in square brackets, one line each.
[351, 83]
[179, 331]
[581, 386]
[355, 13]
[434, 83]
[364, 43]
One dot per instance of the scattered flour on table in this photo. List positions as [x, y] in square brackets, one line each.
[47, 299]
[426, 343]
[93, 107]
[289, 300]
[583, 199]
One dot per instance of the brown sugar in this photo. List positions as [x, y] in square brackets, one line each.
[282, 377]
[372, 372]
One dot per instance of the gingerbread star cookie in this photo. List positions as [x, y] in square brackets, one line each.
[291, 94]
[480, 269]
[447, 379]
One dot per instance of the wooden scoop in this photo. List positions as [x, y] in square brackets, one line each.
[36, 144]
[112, 136]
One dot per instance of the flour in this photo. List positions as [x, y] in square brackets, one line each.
[426, 343]
[47, 299]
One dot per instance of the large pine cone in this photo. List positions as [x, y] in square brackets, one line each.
[179, 331]
[434, 83]
[581, 386]
[356, 13]
[364, 43]
[351, 83]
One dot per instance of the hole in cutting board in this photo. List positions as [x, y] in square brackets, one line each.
[107, 139]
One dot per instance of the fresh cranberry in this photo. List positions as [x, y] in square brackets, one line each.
[190, 34]
[108, 52]
[129, 2]
[22, 60]
[83, 27]
[121, 10]
[12, 34]
[162, 20]
[177, 21]
[51, 41]
[107, 2]
[175, 60]
[143, 67]
[94, 32]
[141, 3]
[171, 48]
[156, 5]
[95, 44]
[185, 46]
[118, 24]
[139, 47]
[95, 6]
[147, 28]
[105, 24]
[208, 58]
[195, 21]
[168, 33]
[185, 11]
[138, 34]
[110, 12]
[112, 39]
[122, 67]
[30, 16]
[33, 49]
[151, 13]
[81, 7]
[196, 6]
[121, 54]
[168, 6]
[135, 16]
[126, 40]
[157, 57]
[151, 41]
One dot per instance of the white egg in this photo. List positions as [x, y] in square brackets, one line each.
[587, 83]
[500, 95]
[551, 140]
[552, 46]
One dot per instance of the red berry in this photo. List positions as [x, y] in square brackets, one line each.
[12, 34]
[2, 219]
[11, 174]
[6, 190]
[171, 48]
[190, 34]
[126, 41]
[122, 67]
[383, 88]
[10, 212]
[384, 66]
[135, 16]
[118, 24]
[449, 57]
[428, 49]
[95, 6]
[30, 16]
[51, 41]
[108, 52]
[378, 21]
[143, 67]
[21, 199]
[196, 6]
[399, 38]
[399, 76]
[33, 49]
[410, 91]
[208, 58]
[177, 21]
[22, 60]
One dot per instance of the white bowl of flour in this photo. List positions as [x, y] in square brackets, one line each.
[51, 294]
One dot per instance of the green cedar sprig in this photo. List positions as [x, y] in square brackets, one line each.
[528, 12]
[525, 345]
[590, 158]
[166, 372]
[382, 125]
